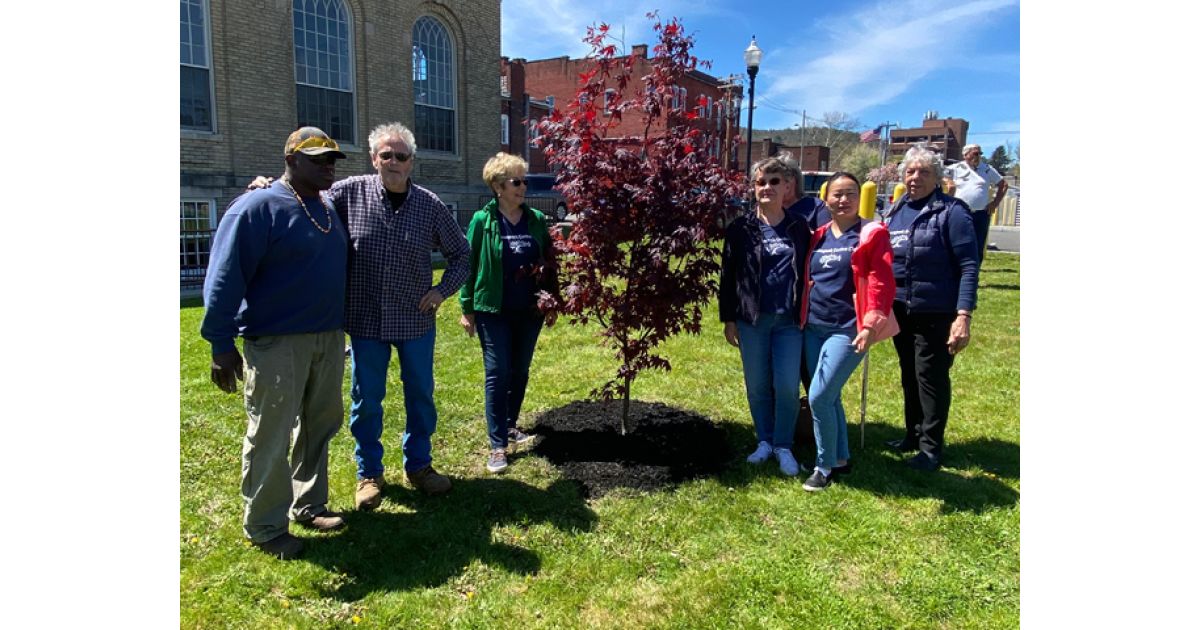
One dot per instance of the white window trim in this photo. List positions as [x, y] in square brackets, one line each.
[504, 129]
[212, 90]
[454, 89]
[351, 44]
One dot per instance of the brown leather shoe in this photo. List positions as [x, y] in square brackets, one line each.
[284, 546]
[324, 522]
[369, 494]
[428, 480]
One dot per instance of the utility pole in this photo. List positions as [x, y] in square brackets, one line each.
[885, 141]
[803, 124]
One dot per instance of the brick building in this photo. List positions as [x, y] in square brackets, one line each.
[535, 87]
[814, 158]
[946, 136]
[253, 71]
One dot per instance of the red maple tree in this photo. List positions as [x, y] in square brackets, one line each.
[643, 255]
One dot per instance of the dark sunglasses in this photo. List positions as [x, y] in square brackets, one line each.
[400, 157]
[516, 181]
[325, 159]
[774, 181]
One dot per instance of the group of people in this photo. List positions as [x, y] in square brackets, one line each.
[808, 285]
[299, 263]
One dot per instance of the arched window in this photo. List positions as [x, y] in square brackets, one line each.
[324, 68]
[433, 86]
[195, 76]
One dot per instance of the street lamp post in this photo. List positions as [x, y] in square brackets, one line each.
[753, 56]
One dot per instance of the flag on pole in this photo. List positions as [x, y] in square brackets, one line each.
[870, 136]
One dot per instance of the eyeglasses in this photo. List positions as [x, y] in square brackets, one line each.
[516, 181]
[388, 155]
[774, 181]
[324, 159]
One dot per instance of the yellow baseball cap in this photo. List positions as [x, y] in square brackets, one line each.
[311, 141]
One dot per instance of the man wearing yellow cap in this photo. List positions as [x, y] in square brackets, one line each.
[277, 278]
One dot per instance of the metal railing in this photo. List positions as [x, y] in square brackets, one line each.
[1009, 212]
[194, 247]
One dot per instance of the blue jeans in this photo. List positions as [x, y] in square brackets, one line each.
[832, 358]
[771, 365]
[369, 360]
[508, 341]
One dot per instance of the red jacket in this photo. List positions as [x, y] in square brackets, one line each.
[871, 263]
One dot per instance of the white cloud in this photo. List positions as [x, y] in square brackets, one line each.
[908, 41]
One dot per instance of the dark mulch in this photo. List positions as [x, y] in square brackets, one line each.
[664, 445]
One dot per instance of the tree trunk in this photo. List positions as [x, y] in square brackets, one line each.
[625, 407]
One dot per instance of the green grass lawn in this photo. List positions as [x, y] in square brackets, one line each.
[886, 547]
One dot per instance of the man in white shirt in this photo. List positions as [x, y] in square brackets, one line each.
[971, 180]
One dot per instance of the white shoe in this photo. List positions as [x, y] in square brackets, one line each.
[787, 463]
[760, 454]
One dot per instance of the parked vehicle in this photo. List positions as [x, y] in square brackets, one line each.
[540, 194]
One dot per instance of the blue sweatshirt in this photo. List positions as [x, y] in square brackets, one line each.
[272, 272]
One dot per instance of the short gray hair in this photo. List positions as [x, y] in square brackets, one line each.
[772, 164]
[392, 130]
[921, 154]
[794, 172]
[967, 149]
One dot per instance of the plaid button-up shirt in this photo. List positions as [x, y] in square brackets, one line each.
[389, 267]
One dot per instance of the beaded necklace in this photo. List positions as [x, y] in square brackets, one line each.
[328, 213]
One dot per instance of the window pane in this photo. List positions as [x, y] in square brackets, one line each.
[195, 100]
[433, 86]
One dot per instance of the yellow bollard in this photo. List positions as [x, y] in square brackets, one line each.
[866, 201]
[898, 192]
[824, 188]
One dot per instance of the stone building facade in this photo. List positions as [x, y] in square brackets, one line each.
[251, 71]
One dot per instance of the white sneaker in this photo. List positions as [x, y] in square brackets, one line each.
[787, 463]
[760, 454]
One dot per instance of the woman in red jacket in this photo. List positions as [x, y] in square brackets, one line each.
[846, 307]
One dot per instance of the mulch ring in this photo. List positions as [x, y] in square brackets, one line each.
[664, 445]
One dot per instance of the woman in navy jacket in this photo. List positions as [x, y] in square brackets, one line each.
[762, 267]
[936, 264]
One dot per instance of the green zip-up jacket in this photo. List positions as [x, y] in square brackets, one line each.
[485, 284]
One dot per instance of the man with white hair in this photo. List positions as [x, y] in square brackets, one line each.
[972, 179]
[391, 302]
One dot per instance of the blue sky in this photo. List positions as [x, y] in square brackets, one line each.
[877, 61]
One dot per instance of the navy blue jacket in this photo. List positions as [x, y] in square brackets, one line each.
[741, 265]
[814, 211]
[942, 268]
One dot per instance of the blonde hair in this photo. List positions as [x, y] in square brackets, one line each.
[501, 166]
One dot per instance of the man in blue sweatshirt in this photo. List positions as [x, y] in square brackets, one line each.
[277, 278]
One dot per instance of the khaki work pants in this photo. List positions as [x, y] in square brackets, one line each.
[293, 398]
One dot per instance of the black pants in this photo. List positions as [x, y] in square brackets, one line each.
[981, 221]
[925, 363]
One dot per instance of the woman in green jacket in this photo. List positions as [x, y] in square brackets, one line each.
[512, 263]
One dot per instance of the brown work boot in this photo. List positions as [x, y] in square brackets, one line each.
[369, 494]
[324, 522]
[284, 546]
[428, 480]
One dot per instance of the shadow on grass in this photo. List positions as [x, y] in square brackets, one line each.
[878, 470]
[433, 544]
[1001, 287]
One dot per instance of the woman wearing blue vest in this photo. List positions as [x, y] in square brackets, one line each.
[762, 266]
[936, 263]
[848, 296]
[512, 262]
